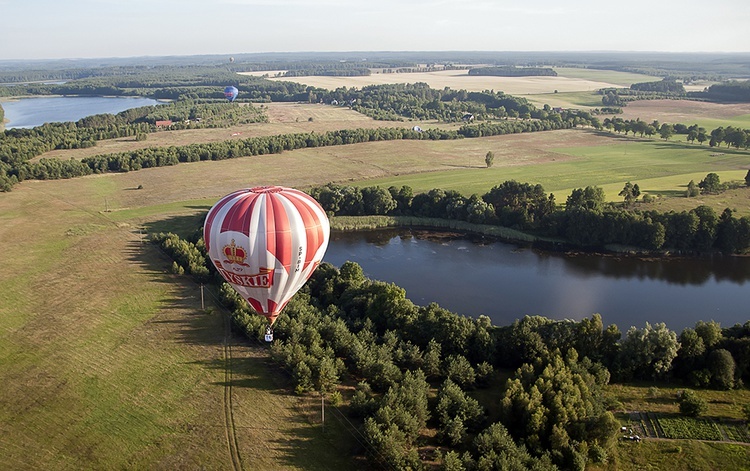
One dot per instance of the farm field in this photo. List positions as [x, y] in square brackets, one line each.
[573, 81]
[108, 361]
[660, 400]
[558, 160]
[708, 115]
[660, 168]
[283, 118]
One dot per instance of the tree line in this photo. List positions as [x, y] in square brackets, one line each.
[18, 146]
[420, 101]
[730, 135]
[732, 91]
[415, 367]
[513, 71]
[585, 221]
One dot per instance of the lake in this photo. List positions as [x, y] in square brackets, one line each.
[32, 112]
[472, 276]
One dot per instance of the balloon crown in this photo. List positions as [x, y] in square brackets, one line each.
[267, 189]
[234, 253]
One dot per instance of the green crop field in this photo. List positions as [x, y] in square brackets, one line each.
[622, 79]
[659, 167]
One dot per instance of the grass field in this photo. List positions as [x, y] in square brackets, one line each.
[108, 361]
[660, 399]
[708, 115]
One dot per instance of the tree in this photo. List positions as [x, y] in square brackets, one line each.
[709, 331]
[630, 193]
[648, 352]
[728, 232]
[692, 190]
[747, 178]
[520, 204]
[721, 365]
[489, 159]
[378, 201]
[702, 136]
[591, 198]
[692, 135]
[432, 358]
[666, 131]
[456, 412]
[327, 375]
[496, 450]
[705, 234]
[691, 404]
[458, 369]
[710, 185]
[478, 211]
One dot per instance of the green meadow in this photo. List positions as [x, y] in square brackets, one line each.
[658, 167]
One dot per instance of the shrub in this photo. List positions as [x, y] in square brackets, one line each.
[691, 404]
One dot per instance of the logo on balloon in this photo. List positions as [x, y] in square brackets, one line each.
[262, 279]
[235, 254]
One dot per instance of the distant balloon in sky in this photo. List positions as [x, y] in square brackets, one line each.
[231, 93]
[266, 242]
[231, 59]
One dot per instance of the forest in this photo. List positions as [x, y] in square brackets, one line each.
[513, 71]
[732, 91]
[553, 414]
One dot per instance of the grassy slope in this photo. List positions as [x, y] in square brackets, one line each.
[107, 361]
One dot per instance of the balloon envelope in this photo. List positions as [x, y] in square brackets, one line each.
[231, 93]
[266, 242]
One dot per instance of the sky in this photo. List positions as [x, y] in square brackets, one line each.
[57, 29]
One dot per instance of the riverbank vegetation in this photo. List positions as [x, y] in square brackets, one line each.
[585, 221]
[419, 369]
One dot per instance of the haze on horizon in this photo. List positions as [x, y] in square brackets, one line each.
[47, 29]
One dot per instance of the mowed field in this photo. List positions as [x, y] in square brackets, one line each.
[108, 361]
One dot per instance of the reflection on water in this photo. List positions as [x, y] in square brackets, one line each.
[473, 276]
[680, 271]
[32, 112]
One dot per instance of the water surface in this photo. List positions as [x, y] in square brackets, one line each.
[506, 282]
[32, 112]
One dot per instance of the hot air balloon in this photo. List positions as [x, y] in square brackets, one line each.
[231, 93]
[266, 242]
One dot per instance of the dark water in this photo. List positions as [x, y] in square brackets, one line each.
[31, 112]
[506, 282]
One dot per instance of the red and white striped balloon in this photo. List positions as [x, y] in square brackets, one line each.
[266, 242]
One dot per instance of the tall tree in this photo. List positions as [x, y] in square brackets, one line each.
[630, 193]
[710, 185]
[666, 131]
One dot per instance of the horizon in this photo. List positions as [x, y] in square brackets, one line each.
[101, 29]
[388, 52]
